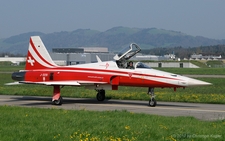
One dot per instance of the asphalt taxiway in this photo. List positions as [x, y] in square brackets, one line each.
[199, 111]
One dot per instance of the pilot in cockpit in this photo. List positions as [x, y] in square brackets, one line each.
[130, 65]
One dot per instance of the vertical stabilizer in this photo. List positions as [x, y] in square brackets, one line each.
[37, 56]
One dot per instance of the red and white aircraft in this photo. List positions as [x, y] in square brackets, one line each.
[101, 76]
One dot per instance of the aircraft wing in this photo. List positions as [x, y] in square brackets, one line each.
[63, 83]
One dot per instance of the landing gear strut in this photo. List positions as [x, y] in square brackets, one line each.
[56, 98]
[100, 95]
[152, 101]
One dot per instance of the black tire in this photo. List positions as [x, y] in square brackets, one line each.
[100, 95]
[58, 102]
[152, 102]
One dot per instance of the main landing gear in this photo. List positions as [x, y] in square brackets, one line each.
[100, 95]
[152, 101]
[58, 102]
[56, 98]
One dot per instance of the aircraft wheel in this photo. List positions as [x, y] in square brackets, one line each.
[152, 102]
[100, 95]
[58, 102]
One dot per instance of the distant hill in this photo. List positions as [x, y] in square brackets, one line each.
[114, 39]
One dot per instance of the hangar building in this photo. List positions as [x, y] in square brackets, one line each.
[81, 55]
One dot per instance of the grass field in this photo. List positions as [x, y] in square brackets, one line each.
[6, 67]
[31, 124]
[198, 71]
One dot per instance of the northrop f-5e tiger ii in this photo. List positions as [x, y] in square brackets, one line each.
[100, 76]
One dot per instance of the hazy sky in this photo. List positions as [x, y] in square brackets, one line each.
[194, 17]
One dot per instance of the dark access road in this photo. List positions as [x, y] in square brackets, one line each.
[199, 111]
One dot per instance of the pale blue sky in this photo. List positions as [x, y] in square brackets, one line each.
[193, 17]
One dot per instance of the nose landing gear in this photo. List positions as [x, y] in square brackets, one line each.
[152, 101]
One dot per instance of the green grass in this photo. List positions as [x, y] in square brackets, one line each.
[215, 63]
[20, 124]
[8, 67]
[199, 64]
[196, 71]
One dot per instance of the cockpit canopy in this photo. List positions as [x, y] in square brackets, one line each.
[128, 52]
[124, 55]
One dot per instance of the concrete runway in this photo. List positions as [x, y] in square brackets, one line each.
[199, 111]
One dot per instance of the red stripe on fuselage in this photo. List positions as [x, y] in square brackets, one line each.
[88, 74]
[40, 76]
[108, 71]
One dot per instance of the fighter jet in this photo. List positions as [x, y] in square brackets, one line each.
[103, 75]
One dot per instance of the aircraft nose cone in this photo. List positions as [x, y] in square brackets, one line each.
[195, 82]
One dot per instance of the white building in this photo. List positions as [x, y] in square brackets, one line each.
[208, 57]
[14, 60]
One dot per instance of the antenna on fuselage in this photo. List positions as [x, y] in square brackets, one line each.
[98, 59]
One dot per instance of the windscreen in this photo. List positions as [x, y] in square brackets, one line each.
[142, 65]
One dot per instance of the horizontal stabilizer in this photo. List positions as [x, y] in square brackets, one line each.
[13, 83]
[62, 83]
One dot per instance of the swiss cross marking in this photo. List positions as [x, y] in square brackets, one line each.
[106, 65]
[31, 61]
[130, 74]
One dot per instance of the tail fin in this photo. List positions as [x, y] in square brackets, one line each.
[37, 56]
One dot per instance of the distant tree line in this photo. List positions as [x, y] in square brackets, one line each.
[11, 54]
[182, 52]
[179, 51]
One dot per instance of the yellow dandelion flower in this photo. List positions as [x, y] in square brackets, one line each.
[171, 137]
[164, 127]
[127, 127]
[118, 139]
